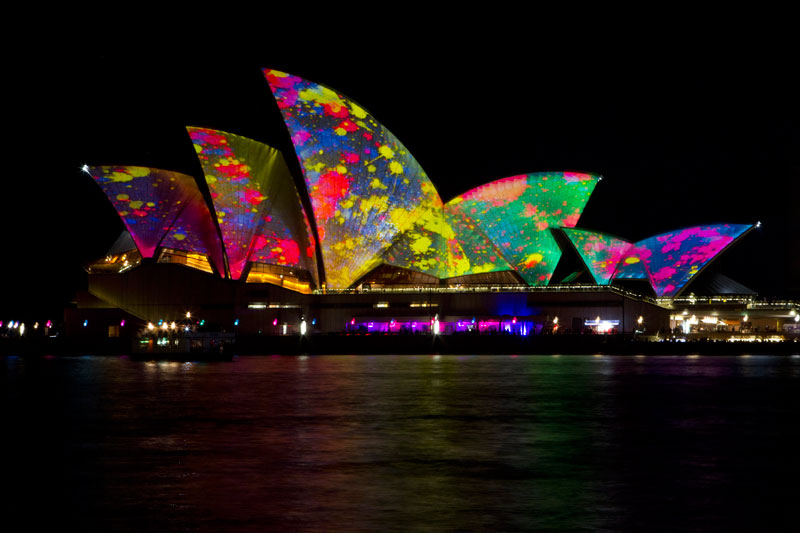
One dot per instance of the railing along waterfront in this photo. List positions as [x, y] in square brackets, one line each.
[489, 288]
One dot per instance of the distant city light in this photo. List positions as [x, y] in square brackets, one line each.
[188, 314]
[236, 322]
[302, 327]
[122, 322]
[85, 168]
[85, 323]
[275, 322]
[22, 328]
[150, 326]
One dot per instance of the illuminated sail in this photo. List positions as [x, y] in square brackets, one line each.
[677, 256]
[256, 203]
[149, 200]
[364, 185]
[600, 252]
[516, 212]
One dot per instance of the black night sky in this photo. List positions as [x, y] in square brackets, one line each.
[682, 136]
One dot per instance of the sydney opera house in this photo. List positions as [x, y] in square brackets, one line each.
[363, 242]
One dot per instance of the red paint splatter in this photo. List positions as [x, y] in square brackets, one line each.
[291, 252]
[337, 110]
[350, 157]
[260, 243]
[329, 189]
[571, 221]
[253, 196]
[234, 172]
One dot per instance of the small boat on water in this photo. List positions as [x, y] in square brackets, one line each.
[170, 342]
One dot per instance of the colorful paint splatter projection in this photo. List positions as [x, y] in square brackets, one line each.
[632, 264]
[677, 256]
[445, 244]
[364, 185]
[194, 231]
[516, 212]
[149, 200]
[600, 252]
[472, 252]
[256, 203]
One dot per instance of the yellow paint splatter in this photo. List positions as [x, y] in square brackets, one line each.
[533, 259]
[123, 197]
[486, 267]
[341, 169]
[139, 172]
[341, 132]
[198, 148]
[421, 245]
[357, 111]
[321, 95]
[395, 167]
[136, 204]
[377, 184]
[386, 152]
[120, 177]
[151, 204]
[371, 168]
[631, 260]
[180, 236]
[374, 203]
[461, 266]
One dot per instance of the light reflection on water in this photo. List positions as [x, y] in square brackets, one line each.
[332, 443]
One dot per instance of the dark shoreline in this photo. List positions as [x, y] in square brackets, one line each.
[410, 344]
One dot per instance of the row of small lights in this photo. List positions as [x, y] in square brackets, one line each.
[746, 318]
[20, 326]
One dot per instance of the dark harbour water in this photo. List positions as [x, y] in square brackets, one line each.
[403, 443]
